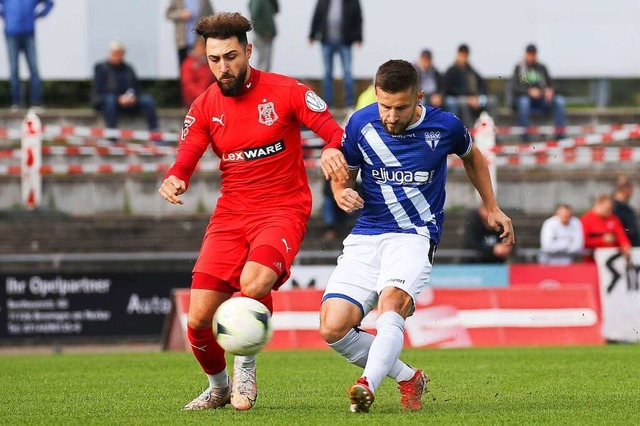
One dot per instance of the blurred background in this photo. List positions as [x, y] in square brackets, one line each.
[96, 255]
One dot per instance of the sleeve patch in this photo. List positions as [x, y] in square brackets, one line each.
[188, 122]
[315, 102]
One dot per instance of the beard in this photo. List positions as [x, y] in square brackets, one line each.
[397, 128]
[233, 87]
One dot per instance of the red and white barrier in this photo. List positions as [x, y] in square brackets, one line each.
[552, 130]
[70, 169]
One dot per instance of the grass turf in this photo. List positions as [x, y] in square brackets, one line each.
[572, 385]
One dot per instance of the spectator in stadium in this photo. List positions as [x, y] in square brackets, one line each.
[533, 92]
[196, 75]
[263, 14]
[623, 210]
[116, 89]
[338, 26]
[465, 91]
[19, 30]
[481, 236]
[430, 80]
[388, 256]
[601, 228]
[185, 14]
[251, 119]
[561, 238]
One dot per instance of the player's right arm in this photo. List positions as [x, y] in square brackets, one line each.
[194, 140]
[344, 193]
[347, 198]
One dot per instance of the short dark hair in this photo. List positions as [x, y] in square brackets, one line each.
[426, 53]
[463, 48]
[224, 25]
[396, 75]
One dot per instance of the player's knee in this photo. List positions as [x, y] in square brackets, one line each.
[395, 299]
[332, 331]
[256, 288]
[199, 321]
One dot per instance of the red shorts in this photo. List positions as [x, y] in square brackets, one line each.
[232, 238]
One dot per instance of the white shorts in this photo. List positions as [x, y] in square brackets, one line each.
[369, 263]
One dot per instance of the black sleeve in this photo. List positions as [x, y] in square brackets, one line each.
[438, 81]
[357, 22]
[99, 86]
[482, 85]
[547, 77]
[316, 21]
[518, 85]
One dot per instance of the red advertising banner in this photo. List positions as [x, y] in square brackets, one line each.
[544, 276]
[443, 318]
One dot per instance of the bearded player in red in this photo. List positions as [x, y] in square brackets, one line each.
[251, 120]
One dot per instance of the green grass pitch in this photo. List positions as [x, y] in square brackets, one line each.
[571, 385]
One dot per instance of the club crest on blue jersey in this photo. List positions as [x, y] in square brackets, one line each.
[432, 139]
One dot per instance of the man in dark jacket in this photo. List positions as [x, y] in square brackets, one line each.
[338, 25]
[621, 208]
[465, 92]
[263, 14]
[116, 88]
[533, 91]
[19, 30]
[479, 236]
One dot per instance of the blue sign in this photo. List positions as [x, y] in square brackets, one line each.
[469, 276]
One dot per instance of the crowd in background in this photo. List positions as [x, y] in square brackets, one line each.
[338, 26]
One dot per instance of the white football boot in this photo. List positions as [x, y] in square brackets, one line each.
[244, 390]
[211, 398]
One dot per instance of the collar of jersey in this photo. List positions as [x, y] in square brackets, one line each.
[420, 120]
[254, 77]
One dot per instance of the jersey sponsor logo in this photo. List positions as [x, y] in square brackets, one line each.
[432, 139]
[188, 122]
[315, 102]
[267, 113]
[402, 177]
[255, 153]
[218, 120]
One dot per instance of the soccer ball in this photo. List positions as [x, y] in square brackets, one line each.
[242, 326]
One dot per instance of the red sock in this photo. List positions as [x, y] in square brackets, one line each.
[206, 349]
[265, 300]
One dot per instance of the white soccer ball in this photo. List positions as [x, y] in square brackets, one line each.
[242, 326]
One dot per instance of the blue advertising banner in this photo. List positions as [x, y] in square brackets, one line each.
[469, 276]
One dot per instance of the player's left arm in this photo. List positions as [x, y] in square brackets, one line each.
[312, 111]
[475, 165]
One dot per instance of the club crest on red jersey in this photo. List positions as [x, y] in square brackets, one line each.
[188, 121]
[267, 113]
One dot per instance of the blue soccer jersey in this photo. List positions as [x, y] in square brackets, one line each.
[403, 176]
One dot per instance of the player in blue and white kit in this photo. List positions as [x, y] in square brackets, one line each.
[400, 147]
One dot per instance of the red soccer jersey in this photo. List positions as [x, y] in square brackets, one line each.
[595, 227]
[256, 135]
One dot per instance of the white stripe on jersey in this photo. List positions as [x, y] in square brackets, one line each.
[398, 212]
[420, 203]
[379, 147]
[365, 157]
